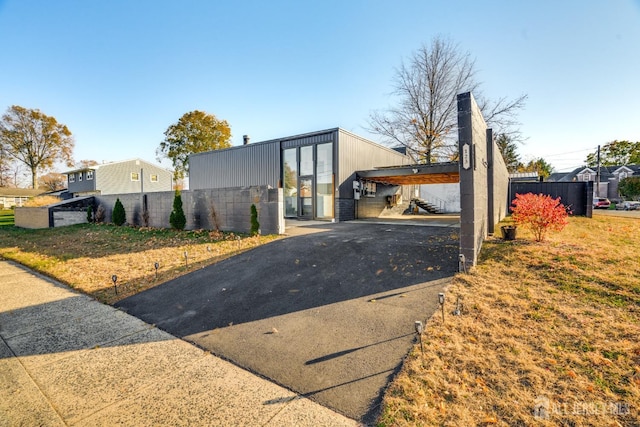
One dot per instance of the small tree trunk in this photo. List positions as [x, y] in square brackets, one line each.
[34, 178]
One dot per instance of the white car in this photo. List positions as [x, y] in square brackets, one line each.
[631, 206]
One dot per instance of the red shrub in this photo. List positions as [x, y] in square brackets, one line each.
[540, 213]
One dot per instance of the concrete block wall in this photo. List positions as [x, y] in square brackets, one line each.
[498, 184]
[345, 209]
[36, 217]
[472, 137]
[373, 207]
[64, 218]
[232, 207]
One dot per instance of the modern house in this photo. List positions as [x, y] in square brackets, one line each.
[124, 177]
[317, 171]
[610, 177]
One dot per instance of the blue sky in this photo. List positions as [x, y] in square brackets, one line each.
[118, 73]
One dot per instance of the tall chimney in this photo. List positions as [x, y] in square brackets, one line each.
[245, 139]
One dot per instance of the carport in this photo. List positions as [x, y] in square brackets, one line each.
[435, 173]
[387, 192]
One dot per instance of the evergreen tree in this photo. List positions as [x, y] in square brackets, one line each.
[255, 225]
[177, 218]
[118, 216]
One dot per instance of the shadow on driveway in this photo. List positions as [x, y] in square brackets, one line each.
[329, 315]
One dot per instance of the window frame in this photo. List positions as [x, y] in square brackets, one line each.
[135, 176]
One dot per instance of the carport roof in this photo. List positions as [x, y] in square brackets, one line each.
[435, 173]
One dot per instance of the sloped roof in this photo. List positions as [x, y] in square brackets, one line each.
[96, 167]
[20, 192]
[606, 172]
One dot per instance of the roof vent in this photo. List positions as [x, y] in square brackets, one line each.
[245, 139]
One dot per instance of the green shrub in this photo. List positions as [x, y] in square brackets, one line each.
[118, 216]
[255, 225]
[177, 218]
[89, 214]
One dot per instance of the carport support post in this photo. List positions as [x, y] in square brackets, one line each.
[472, 140]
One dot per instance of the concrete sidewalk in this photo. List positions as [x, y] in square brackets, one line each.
[66, 359]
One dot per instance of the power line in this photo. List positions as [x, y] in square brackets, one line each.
[572, 152]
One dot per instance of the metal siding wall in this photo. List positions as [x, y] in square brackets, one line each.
[356, 153]
[248, 165]
[574, 195]
[329, 136]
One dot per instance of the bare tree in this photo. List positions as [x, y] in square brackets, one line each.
[82, 164]
[425, 119]
[53, 181]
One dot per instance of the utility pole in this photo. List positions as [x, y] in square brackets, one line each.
[598, 175]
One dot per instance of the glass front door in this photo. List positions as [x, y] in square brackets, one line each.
[308, 181]
[306, 197]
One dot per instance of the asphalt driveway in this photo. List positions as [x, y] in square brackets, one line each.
[328, 314]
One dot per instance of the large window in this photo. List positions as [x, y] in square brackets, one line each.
[306, 160]
[290, 171]
[324, 180]
[308, 181]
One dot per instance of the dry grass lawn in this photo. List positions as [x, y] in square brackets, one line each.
[86, 256]
[551, 325]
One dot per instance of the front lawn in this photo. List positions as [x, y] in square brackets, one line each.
[552, 326]
[6, 217]
[86, 256]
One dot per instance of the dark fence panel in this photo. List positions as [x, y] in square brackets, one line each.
[578, 196]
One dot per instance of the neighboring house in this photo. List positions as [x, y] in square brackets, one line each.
[124, 177]
[316, 170]
[610, 177]
[10, 197]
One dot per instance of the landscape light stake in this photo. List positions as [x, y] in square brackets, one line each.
[419, 329]
[186, 259]
[156, 266]
[462, 264]
[114, 278]
[441, 301]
